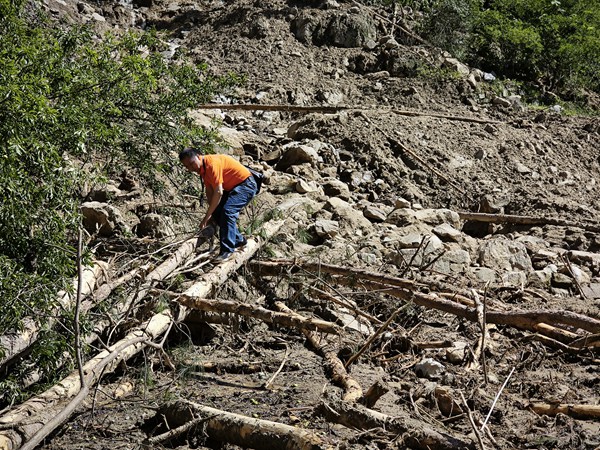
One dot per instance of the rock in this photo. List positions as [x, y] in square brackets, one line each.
[403, 217]
[104, 193]
[304, 187]
[375, 214]
[456, 353]
[489, 77]
[501, 101]
[351, 219]
[560, 280]
[521, 168]
[515, 278]
[295, 153]
[539, 278]
[455, 64]
[349, 30]
[592, 290]
[490, 128]
[401, 203]
[102, 218]
[472, 80]
[447, 233]
[326, 228]
[429, 368]
[483, 274]
[504, 255]
[155, 225]
[98, 17]
[336, 188]
[85, 9]
[413, 240]
[453, 261]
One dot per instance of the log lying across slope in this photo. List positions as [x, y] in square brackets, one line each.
[22, 423]
[241, 430]
[525, 320]
[16, 343]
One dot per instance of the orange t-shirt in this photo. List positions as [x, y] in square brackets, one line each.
[223, 169]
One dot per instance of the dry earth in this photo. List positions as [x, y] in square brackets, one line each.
[370, 183]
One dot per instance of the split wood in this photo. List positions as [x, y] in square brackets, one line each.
[576, 411]
[243, 431]
[333, 365]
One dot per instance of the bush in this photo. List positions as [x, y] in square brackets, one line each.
[69, 98]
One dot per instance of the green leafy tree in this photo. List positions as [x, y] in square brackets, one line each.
[70, 98]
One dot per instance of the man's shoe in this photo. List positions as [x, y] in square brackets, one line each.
[223, 256]
[242, 243]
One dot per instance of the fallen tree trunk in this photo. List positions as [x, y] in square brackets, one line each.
[525, 220]
[257, 312]
[240, 430]
[536, 321]
[416, 434]
[576, 411]
[336, 109]
[28, 418]
[333, 365]
[15, 344]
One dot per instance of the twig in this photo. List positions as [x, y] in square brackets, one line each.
[497, 397]
[82, 380]
[178, 431]
[472, 422]
[268, 383]
[381, 329]
[567, 263]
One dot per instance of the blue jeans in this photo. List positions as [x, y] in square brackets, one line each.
[228, 211]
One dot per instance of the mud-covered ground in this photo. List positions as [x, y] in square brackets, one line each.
[525, 160]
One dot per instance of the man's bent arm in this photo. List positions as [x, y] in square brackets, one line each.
[214, 197]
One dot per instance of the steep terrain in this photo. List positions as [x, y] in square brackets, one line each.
[406, 138]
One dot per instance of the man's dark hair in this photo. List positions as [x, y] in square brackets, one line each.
[189, 152]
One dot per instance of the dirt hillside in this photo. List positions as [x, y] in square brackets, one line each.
[405, 140]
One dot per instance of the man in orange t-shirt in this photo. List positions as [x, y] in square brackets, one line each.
[229, 187]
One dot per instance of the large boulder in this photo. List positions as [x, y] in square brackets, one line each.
[296, 153]
[102, 218]
[155, 226]
[337, 28]
[504, 255]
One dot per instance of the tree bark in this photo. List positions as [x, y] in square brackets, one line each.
[16, 343]
[576, 411]
[525, 220]
[334, 367]
[241, 430]
[258, 312]
[417, 434]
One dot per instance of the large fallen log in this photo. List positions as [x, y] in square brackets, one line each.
[415, 433]
[525, 220]
[25, 420]
[334, 367]
[576, 411]
[240, 430]
[257, 312]
[336, 109]
[525, 320]
[16, 343]
[29, 417]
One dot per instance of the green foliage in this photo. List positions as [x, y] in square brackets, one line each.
[552, 43]
[69, 98]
